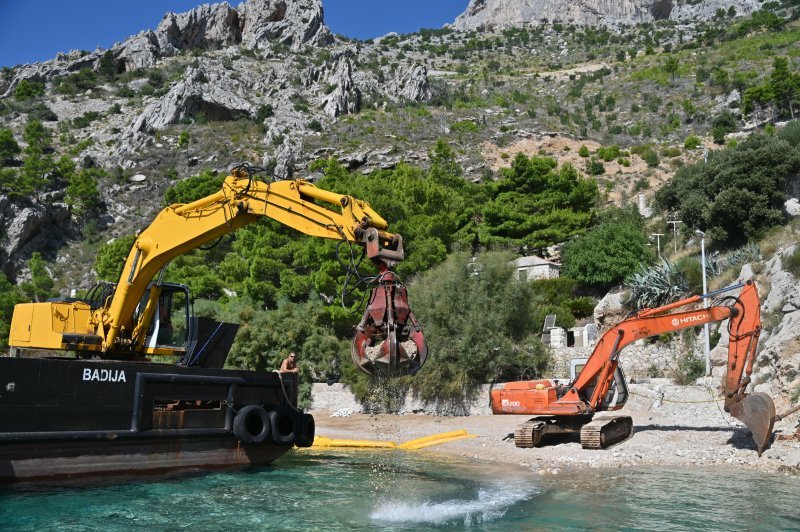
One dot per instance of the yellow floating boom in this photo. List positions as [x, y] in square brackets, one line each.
[436, 439]
[321, 441]
[411, 445]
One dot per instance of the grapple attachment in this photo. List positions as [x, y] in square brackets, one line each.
[389, 340]
[757, 412]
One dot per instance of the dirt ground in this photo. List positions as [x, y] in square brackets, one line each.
[673, 426]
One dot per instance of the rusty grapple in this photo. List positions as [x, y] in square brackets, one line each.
[389, 340]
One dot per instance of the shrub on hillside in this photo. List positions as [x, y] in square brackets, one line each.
[27, 90]
[692, 142]
[738, 193]
[607, 253]
[791, 263]
[479, 327]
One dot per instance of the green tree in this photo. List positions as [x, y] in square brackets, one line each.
[755, 97]
[444, 167]
[8, 146]
[40, 286]
[536, 205]
[183, 139]
[671, 66]
[595, 167]
[193, 188]
[107, 65]
[692, 142]
[266, 337]
[82, 191]
[36, 135]
[110, 258]
[785, 86]
[609, 251]
[9, 296]
[739, 193]
[27, 90]
[38, 163]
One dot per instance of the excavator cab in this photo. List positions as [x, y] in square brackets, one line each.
[169, 329]
[617, 394]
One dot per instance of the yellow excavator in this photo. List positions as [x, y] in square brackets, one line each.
[135, 317]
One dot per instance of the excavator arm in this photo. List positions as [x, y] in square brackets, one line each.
[116, 327]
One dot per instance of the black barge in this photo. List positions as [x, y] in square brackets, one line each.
[65, 418]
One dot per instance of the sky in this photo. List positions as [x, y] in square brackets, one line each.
[36, 30]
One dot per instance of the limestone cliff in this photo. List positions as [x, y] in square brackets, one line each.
[612, 13]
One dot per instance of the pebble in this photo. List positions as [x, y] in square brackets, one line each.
[343, 412]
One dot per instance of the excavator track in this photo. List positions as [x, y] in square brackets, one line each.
[606, 431]
[535, 430]
[529, 434]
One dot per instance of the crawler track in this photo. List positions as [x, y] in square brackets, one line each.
[604, 432]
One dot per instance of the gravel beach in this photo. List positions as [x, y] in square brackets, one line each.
[673, 426]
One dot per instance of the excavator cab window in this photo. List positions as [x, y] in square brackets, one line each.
[617, 393]
[173, 317]
[169, 327]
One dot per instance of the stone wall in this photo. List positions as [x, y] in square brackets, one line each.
[637, 360]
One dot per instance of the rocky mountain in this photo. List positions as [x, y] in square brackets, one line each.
[271, 61]
[610, 13]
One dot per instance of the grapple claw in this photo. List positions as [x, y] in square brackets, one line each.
[389, 340]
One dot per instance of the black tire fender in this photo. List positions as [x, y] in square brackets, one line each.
[283, 422]
[305, 437]
[252, 425]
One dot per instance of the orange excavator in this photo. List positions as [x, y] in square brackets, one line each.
[600, 384]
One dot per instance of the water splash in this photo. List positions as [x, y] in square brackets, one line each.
[489, 504]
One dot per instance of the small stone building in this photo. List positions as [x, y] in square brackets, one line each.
[533, 268]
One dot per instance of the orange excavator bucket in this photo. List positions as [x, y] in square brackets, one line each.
[389, 340]
[757, 412]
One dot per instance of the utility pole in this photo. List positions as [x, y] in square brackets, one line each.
[674, 224]
[702, 236]
[658, 241]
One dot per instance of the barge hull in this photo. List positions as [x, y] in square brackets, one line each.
[67, 418]
[70, 460]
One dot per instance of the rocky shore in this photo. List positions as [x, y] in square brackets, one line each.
[680, 426]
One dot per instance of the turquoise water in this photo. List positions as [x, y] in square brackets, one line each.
[313, 490]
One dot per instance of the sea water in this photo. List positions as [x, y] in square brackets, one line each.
[333, 490]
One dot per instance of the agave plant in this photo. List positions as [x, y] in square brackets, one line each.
[750, 252]
[655, 286]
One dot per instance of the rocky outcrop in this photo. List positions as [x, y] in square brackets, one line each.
[205, 90]
[410, 82]
[64, 64]
[341, 94]
[613, 13]
[777, 367]
[139, 51]
[210, 27]
[778, 364]
[254, 24]
[610, 310]
[27, 227]
[290, 22]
